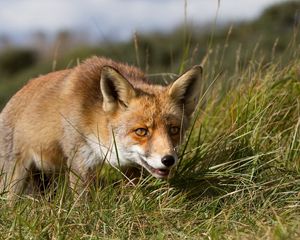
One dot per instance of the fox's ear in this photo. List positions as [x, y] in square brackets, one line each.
[186, 89]
[115, 89]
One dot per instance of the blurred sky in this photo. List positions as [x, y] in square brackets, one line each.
[117, 19]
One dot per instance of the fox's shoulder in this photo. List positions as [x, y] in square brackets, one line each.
[35, 90]
[51, 78]
[41, 85]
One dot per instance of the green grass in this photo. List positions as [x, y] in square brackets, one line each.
[239, 177]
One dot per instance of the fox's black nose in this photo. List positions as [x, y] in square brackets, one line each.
[168, 160]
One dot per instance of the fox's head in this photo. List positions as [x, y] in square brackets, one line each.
[148, 121]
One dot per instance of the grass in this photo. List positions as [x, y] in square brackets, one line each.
[239, 175]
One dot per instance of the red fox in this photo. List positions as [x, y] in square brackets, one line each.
[100, 111]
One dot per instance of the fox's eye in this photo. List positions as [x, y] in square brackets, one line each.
[174, 130]
[141, 132]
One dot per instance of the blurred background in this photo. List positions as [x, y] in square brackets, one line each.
[160, 37]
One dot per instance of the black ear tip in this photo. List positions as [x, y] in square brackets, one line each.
[198, 68]
[106, 69]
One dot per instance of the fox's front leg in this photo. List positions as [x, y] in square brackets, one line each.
[16, 178]
[80, 176]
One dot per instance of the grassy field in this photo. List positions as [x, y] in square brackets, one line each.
[238, 178]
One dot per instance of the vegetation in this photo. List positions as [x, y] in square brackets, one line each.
[239, 174]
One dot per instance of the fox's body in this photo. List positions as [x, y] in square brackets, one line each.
[100, 111]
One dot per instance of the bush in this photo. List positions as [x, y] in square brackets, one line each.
[13, 61]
